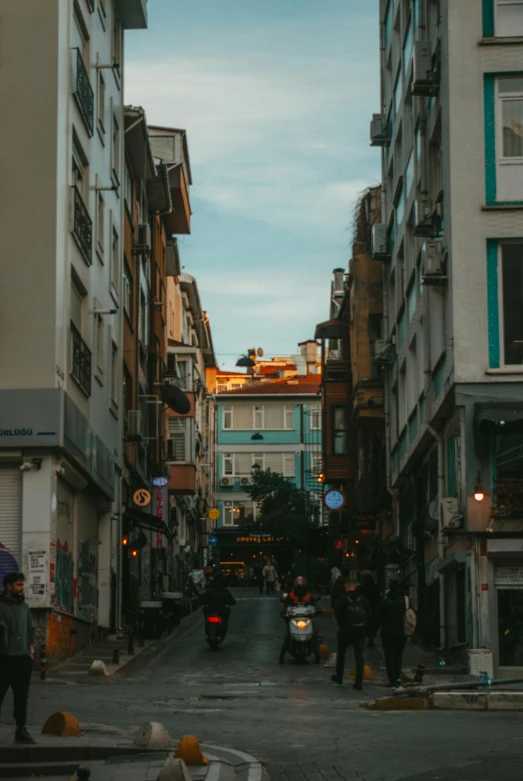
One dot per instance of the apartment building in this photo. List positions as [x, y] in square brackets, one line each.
[274, 425]
[61, 334]
[451, 240]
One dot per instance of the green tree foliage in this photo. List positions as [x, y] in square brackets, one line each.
[282, 509]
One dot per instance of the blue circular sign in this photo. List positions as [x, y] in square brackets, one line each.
[213, 539]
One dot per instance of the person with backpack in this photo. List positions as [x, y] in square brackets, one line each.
[397, 619]
[353, 614]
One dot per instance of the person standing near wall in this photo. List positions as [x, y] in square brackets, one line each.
[392, 620]
[16, 650]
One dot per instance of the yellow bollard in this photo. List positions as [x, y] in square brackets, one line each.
[368, 674]
[63, 724]
[189, 750]
[324, 651]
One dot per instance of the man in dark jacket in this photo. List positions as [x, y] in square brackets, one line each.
[338, 589]
[371, 592]
[352, 613]
[16, 650]
[218, 599]
[392, 620]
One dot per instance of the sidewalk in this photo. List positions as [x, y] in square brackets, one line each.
[75, 669]
[115, 759]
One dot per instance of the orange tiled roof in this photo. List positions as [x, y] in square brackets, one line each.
[290, 386]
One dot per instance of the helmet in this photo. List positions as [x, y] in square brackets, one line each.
[300, 585]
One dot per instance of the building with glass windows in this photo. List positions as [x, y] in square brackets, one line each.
[451, 244]
[273, 425]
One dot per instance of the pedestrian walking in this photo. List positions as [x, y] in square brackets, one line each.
[392, 621]
[270, 576]
[352, 614]
[16, 650]
[371, 592]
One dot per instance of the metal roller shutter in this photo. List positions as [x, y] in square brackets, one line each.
[10, 519]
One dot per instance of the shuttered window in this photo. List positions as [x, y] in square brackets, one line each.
[176, 444]
[10, 515]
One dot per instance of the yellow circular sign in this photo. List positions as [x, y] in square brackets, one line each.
[213, 514]
[142, 497]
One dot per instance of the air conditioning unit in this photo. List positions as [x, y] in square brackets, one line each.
[382, 350]
[143, 237]
[134, 425]
[226, 481]
[450, 517]
[422, 70]
[423, 223]
[378, 130]
[246, 481]
[432, 256]
[379, 242]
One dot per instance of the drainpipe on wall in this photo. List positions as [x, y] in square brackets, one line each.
[441, 540]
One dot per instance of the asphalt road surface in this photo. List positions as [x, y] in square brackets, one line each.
[303, 727]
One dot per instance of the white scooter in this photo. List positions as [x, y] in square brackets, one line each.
[302, 641]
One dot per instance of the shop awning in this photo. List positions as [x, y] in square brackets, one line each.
[498, 412]
[453, 562]
[144, 520]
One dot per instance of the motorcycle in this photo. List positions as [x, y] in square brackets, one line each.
[302, 639]
[215, 630]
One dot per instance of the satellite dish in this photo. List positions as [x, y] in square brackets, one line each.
[175, 399]
[259, 352]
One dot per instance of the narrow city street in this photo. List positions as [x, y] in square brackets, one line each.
[292, 717]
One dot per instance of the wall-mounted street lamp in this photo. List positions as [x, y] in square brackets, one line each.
[479, 491]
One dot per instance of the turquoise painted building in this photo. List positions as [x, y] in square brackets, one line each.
[275, 425]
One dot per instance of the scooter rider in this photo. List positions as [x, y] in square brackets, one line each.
[218, 599]
[302, 597]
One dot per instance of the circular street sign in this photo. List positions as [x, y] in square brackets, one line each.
[160, 481]
[142, 497]
[213, 514]
[334, 499]
[213, 540]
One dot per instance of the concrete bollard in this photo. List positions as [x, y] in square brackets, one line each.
[189, 750]
[63, 724]
[97, 668]
[368, 674]
[174, 770]
[152, 734]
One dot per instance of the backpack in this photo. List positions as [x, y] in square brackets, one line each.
[356, 615]
[409, 621]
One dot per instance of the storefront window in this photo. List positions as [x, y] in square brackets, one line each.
[508, 471]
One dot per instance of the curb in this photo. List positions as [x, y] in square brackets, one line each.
[454, 700]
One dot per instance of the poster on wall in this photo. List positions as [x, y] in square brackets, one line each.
[37, 577]
[509, 574]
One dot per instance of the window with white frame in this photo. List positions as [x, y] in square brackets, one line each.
[263, 417]
[340, 430]
[237, 513]
[316, 463]
[127, 291]
[315, 418]
[78, 299]
[509, 18]
[80, 172]
[184, 369]
[115, 149]
[115, 260]
[177, 445]
[100, 226]
[115, 374]
[116, 43]
[511, 325]
[242, 464]
[510, 137]
[100, 346]
[100, 103]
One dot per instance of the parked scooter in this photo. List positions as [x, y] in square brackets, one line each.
[302, 641]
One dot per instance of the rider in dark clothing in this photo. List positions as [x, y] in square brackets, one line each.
[299, 596]
[392, 618]
[218, 599]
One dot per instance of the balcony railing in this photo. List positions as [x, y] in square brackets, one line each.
[83, 91]
[80, 361]
[82, 226]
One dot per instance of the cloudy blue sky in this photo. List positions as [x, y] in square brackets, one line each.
[276, 97]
